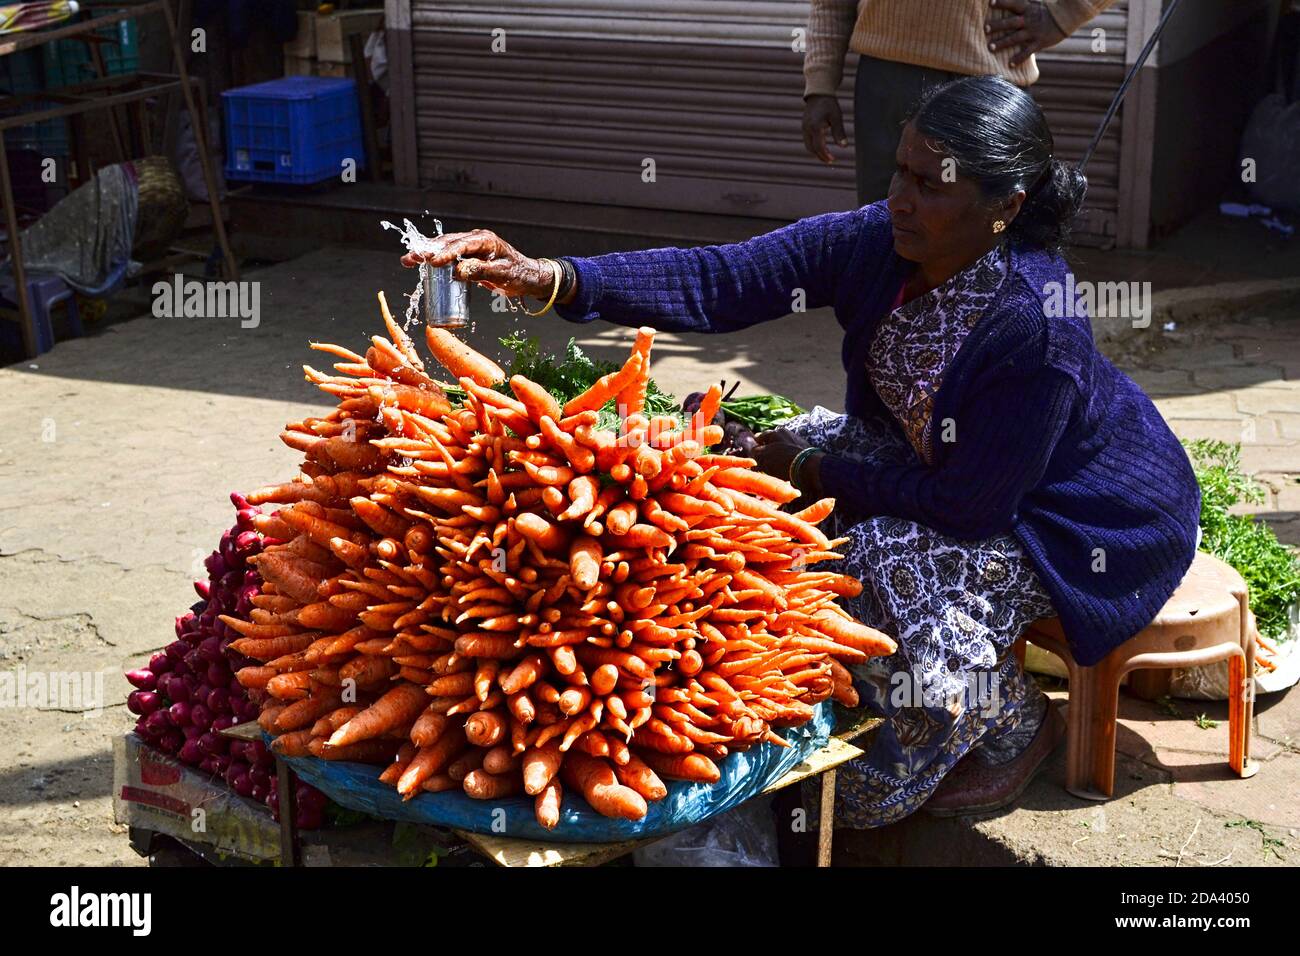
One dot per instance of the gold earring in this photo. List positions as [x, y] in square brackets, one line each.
[998, 226]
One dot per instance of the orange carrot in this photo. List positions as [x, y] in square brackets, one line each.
[482, 785]
[547, 805]
[631, 400]
[295, 744]
[595, 780]
[540, 764]
[429, 760]
[397, 708]
[636, 773]
[547, 536]
[756, 483]
[845, 630]
[461, 360]
[689, 766]
[486, 728]
[585, 556]
[605, 388]
[537, 401]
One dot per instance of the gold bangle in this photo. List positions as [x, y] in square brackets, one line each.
[555, 290]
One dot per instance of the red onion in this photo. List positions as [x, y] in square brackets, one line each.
[200, 716]
[224, 722]
[189, 752]
[143, 702]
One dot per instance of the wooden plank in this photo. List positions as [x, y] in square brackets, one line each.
[245, 731]
[334, 33]
[303, 44]
[508, 851]
[829, 757]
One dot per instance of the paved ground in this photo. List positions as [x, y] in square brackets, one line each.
[117, 452]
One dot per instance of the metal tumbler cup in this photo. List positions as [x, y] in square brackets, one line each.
[444, 298]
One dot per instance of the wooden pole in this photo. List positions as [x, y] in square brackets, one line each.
[365, 103]
[287, 795]
[97, 57]
[198, 123]
[826, 821]
[16, 254]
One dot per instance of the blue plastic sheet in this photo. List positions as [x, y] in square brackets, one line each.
[744, 775]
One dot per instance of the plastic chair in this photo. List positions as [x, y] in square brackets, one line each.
[1206, 620]
[44, 292]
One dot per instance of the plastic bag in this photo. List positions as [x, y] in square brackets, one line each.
[1272, 143]
[745, 836]
[744, 775]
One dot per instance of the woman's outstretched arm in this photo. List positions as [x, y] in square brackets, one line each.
[718, 288]
[704, 289]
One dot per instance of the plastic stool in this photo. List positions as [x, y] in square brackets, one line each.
[43, 293]
[1206, 620]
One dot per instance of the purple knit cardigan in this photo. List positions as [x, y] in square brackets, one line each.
[1052, 443]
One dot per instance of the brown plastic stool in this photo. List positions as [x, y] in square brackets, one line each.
[1206, 620]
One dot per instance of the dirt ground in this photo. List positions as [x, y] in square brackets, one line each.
[118, 451]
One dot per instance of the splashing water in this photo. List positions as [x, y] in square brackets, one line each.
[415, 241]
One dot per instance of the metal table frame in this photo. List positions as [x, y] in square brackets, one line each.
[80, 99]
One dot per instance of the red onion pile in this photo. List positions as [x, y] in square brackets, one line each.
[187, 693]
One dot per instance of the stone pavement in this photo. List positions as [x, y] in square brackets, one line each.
[117, 451]
[1238, 380]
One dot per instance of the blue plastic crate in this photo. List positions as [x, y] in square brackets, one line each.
[297, 129]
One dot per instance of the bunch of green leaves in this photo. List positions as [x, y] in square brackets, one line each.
[759, 413]
[1270, 568]
[571, 374]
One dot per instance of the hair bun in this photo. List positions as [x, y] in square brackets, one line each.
[1049, 210]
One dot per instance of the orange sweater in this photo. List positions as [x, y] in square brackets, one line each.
[941, 34]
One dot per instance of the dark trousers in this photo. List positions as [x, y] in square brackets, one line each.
[883, 94]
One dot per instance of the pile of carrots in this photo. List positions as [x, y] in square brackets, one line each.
[500, 597]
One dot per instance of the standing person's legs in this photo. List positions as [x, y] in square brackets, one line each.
[883, 93]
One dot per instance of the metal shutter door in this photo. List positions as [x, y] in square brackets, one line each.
[589, 89]
[1074, 89]
[709, 89]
